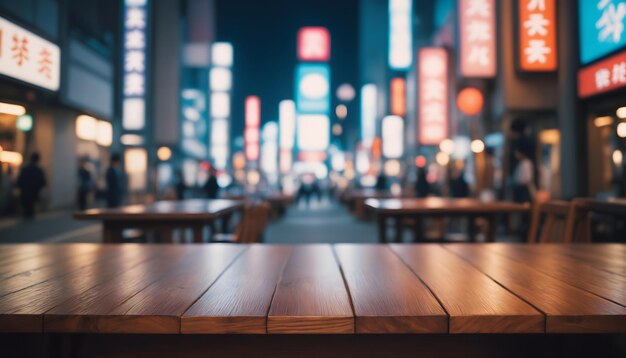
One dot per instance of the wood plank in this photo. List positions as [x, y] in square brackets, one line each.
[158, 307]
[474, 302]
[311, 297]
[239, 300]
[30, 256]
[83, 313]
[28, 273]
[570, 270]
[568, 309]
[22, 311]
[386, 295]
[607, 257]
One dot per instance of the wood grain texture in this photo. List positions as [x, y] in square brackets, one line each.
[158, 307]
[85, 312]
[474, 302]
[574, 272]
[20, 258]
[239, 300]
[386, 295]
[55, 263]
[311, 297]
[568, 309]
[606, 257]
[22, 311]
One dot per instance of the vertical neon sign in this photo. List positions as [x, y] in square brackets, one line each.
[134, 67]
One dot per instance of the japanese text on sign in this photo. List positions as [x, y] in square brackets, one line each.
[604, 76]
[134, 82]
[28, 57]
[433, 95]
[537, 31]
[478, 42]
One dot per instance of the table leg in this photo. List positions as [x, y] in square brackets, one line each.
[418, 229]
[399, 229]
[226, 222]
[471, 228]
[111, 232]
[493, 227]
[382, 228]
[198, 236]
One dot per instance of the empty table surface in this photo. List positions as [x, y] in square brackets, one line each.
[165, 210]
[443, 206]
[309, 289]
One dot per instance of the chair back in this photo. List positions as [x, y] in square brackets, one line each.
[253, 223]
[610, 213]
[551, 222]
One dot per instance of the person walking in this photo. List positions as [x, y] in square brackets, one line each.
[85, 184]
[422, 186]
[114, 186]
[211, 187]
[524, 188]
[30, 182]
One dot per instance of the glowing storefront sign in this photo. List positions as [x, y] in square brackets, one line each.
[219, 142]
[251, 132]
[86, 128]
[601, 26]
[313, 132]
[604, 76]
[287, 124]
[369, 111]
[28, 57]
[269, 155]
[477, 24]
[393, 137]
[222, 54]
[433, 95]
[314, 44]
[134, 69]
[400, 34]
[220, 79]
[537, 41]
[313, 88]
[398, 96]
[105, 134]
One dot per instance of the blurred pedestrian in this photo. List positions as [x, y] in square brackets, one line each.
[524, 188]
[114, 182]
[211, 187]
[30, 182]
[381, 182]
[180, 186]
[458, 184]
[85, 184]
[422, 186]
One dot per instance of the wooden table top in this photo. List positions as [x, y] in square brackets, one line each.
[344, 288]
[193, 209]
[443, 206]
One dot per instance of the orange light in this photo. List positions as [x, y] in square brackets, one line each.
[470, 101]
[398, 96]
[420, 161]
[377, 148]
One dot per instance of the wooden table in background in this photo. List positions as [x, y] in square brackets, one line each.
[103, 300]
[419, 209]
[358, 197]
[163, 216]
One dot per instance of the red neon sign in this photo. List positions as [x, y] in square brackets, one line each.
[398, 96]
[314, 44]
[433, 95]
[537, 29]
[477, 24]
[253, 121]
[604, 76]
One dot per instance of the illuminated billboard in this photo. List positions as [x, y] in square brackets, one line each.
[400, 34]
[313, 88]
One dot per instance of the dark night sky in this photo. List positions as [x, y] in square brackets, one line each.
[263, 34]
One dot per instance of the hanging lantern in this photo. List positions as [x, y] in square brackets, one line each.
[470, 101]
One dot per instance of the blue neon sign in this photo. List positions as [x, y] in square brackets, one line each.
[313, 88]
[602, 28]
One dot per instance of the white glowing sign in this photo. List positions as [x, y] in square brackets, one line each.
[287, 124]
[313, 132]
[134, 80]
[393, 137]
[219, 142]
[369, 110]
[220, 105]
[222, 54]
[269, 150]
[220, 79]
[400, 34]
[28, 57]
